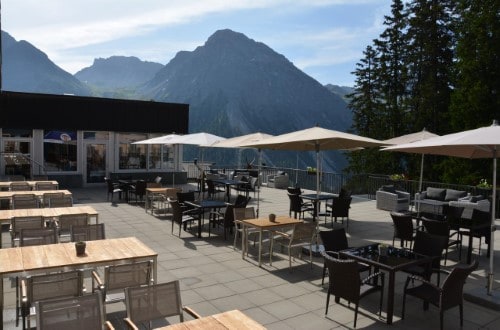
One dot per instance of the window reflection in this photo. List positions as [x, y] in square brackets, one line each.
[60, 151]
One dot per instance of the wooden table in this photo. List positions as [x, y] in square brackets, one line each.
[55, 212]
[234, 320]
[264, 224]
[396, 260]
[5, 185]
[38, 193]
[56, 257]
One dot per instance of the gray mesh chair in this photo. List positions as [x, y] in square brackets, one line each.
[19, 186]
[146, 304]
[302, 235]
[38, 236]
[65, 221]
[25, 201]
[242, 213]
[83, 312]
[37, 288]
[49, 195]
[19, 223]
[65, 201]
[119, 277]
[90, 232]
[45, 185]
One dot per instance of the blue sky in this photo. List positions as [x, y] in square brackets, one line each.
[323, 38]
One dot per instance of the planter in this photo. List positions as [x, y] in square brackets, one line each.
[80, 248]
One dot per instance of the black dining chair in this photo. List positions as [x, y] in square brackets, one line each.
[403, 228]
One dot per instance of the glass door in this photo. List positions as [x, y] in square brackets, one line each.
[16, 160]
[95, 159]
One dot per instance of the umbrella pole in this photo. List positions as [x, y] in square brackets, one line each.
[493, 216]
[421, 174]
[317, 169]
[258, 181]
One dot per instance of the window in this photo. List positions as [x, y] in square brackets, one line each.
[59, 150]
[132, 156]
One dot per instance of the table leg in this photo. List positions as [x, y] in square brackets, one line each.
[390, 297]
[260, 247]
[243, 240]
[1, 302]
[469, 248]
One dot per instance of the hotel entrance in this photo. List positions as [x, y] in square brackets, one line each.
[95, 156]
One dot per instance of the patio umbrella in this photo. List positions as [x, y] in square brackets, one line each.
[237, 142]
[413, 137]
[482, 142]
[315, 139]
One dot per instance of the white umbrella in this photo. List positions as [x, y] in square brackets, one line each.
[413, 137]
[165, 139]
[237, 142]
[482, 142]
[315, 139]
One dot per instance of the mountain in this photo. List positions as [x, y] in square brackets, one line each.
[27, 69]
[118, 72]
[341, 91]
[235, 85]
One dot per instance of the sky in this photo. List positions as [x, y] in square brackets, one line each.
[323, 38]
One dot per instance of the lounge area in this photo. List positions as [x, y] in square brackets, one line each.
[214, 278]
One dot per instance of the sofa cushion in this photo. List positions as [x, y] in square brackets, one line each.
[454, 195]
[475, 199]
[436, 193]
[389, 188]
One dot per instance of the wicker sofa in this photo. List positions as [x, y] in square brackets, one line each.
[390, 199]
[279, 181]
[439, 199]
[469, 203]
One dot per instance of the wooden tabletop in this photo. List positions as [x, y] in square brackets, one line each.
[6, 184]
[38, 193]
[62, 255]
[264, 222]
[7, 215]
[234, 320]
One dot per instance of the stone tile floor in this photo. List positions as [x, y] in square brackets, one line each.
[214, 277]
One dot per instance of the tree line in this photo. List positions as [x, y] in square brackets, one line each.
[436, 65]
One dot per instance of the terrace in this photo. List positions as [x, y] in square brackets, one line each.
[214, 278]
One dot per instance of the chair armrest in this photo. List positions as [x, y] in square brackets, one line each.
[403, 194]
[24, 292]
[370, 277]
[421, 195]
[422, 280]
[333, 254]
[96, 280]
[285, 235]
[109, 326]
[130, 324]
[191, 312]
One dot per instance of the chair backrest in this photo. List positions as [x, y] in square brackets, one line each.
[38, 236]
[90, 232]
[67, 220]
[185, 196]
[109, 184]
[242, 213]
[344, 280]
[294, 190]
[436, 227]
[454, 215]
[305, 231]
[295, 202]
[19, 203]
[83, 312]
[153, 302]
[140, 188]
[176, 211]
[29, 222]
[241, 201]
[47, 196]
[403, 225]
[45, 185]
[452, 287]
[334, 240]
[54, 285]
[153, 185]
[341, 206]
[119, 277]
[19, 186]
[430, 245]
[65, 201]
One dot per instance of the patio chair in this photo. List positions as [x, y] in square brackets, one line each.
[213, 190]
[138, 190]
[146, 304]
[83, 312]
[38, 236]
[432, 246]
[19, 223]
[345, 282]
[403, 228]
[113, 188]
[36, 288]
[335, 240]
[297, 206]
[339, 208]
[442, 228]
[47, 196]
[66, 221]
[66, 201]
[242, 213]
[45, 186]
[479, 217]
[25, 201]
[181, 217]
[444, 297]
[87, 232]
[19, 186]
[119, 277]
[302, 235]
